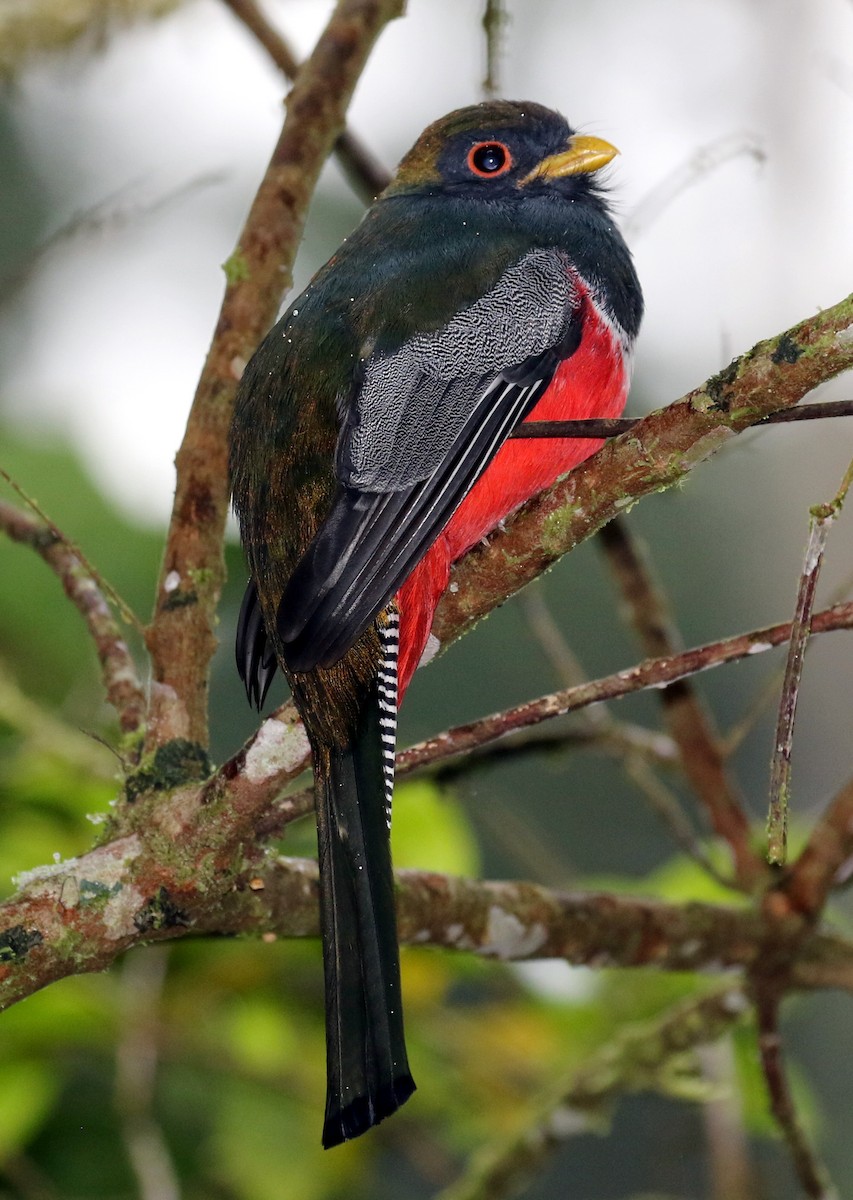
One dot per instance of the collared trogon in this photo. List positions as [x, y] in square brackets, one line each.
[486, 286]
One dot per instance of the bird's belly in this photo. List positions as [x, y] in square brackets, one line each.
[593, 382]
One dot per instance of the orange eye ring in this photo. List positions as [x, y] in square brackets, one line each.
[489, 160]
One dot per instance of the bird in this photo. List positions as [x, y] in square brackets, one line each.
[370, 449]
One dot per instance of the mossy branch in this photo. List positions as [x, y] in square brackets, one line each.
[118, 670]
[78, 916]
[181, 638]
[657, 453]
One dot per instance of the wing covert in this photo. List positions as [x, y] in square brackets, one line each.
[425, 423]
[410, 406]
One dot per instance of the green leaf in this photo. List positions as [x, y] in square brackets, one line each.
[677, 879]
[432, 832]
[259, 1034]
[757, 1118]
[27, 1093]
[266, 1146]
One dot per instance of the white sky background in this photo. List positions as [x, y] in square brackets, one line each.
[107, 338]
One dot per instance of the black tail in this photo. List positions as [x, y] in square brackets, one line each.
[367, 1071]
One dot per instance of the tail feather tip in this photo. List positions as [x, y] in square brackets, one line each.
[355, 1118]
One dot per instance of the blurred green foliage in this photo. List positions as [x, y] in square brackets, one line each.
[47, 25]
[51, 654]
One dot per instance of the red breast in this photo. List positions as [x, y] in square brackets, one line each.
[593, 382]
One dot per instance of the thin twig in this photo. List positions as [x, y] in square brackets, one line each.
[110, 213]
[182, 636]
[688, 721]
[118, 669]
[825, 854]
[698, 166]
[657, 453]
[618, 739]
[821, 519]
[643, 601]
[767, 695]
[665, 804]
[494, 23]
[525, 843]
[604, 731]
[651, 673]
[476, 736]
[732, 1176]
[137, 1052]
[768, 692]
[49, 735]
[23, 1173]
[811, 1172]
[654, 1056]
[607, 427]
[621, 740]
[119, 603]
[564, 664]
[366, 174]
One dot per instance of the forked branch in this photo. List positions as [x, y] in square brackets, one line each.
[118, 670]
[182, 637]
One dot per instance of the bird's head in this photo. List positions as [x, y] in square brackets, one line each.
[501, 149]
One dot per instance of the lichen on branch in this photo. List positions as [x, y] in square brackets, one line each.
[657, 453]
[181, 638]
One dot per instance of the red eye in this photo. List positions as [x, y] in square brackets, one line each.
[488, 159]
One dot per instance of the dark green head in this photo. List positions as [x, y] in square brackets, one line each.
[499, 149]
